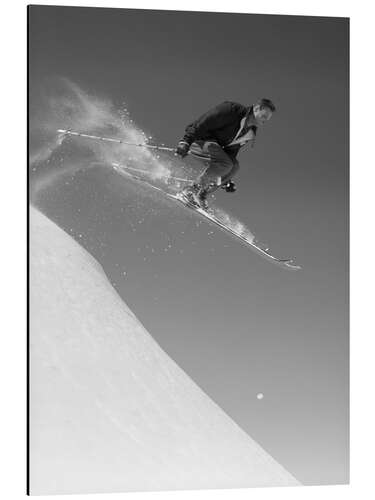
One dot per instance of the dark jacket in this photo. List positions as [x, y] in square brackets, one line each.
[220, 124]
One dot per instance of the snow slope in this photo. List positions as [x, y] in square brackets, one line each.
[109, 409]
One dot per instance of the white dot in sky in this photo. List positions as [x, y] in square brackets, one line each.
[260, 395]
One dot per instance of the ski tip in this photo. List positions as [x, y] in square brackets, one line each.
[289, 263]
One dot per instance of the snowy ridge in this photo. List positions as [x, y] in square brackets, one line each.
[109, 409]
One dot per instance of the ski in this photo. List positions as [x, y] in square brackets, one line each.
[211, 218]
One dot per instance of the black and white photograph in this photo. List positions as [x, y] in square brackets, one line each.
[188, 250]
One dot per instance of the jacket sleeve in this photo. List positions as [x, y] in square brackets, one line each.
[217, 117]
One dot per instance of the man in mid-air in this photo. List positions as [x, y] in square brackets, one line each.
[215, 138]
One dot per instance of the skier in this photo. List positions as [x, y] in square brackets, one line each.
[215, 138]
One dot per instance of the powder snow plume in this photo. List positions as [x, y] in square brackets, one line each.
[67, 106]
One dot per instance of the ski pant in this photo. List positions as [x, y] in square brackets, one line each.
[220, 167]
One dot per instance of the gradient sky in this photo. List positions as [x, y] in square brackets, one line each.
[234, 322]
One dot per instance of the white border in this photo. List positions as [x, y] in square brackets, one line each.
[13, 210]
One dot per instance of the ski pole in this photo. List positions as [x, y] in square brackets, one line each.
[118, 141]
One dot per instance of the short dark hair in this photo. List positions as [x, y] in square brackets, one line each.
[266, 103]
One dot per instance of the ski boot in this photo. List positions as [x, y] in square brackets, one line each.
[229, 187]
[190, 195]
[204, 192]
[203, 195]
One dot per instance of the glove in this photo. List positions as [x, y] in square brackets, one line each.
[182, 149]
[229, 187]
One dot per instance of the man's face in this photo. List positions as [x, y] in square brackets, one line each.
[261, 114]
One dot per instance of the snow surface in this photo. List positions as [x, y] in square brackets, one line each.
[110, 411]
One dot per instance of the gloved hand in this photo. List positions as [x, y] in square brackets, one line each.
[229, 187]
[182, 149]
